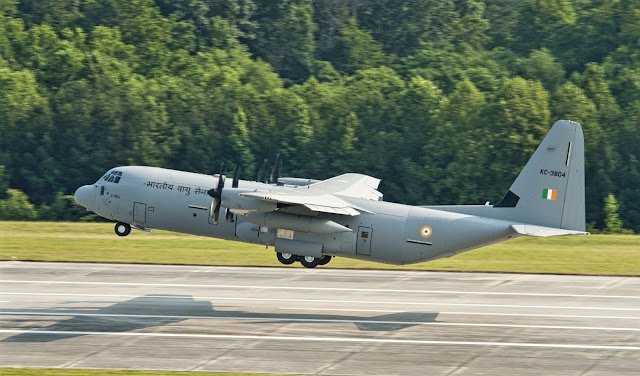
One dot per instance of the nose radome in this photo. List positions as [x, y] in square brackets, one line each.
[85, 196]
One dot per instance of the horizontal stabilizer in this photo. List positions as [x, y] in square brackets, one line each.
[543, 232]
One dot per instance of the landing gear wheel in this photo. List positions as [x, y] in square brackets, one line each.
[122, 229]
[324, 260]
[309, 261]
[286, 258]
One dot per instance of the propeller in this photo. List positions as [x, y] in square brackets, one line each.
[236, 179]
[275, 175]
[216, 194]
[262, 178]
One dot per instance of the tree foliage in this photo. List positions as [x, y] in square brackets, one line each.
[443, 100]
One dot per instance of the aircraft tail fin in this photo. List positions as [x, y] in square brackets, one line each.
[549, 192]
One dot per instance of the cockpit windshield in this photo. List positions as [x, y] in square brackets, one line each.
[112, 176]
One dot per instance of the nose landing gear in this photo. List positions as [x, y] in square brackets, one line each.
[122, 229]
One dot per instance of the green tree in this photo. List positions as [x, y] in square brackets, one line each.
[16, 207]
[8, 7]
[403, 26]
[542, 66]
[285, 37]
[522, 118]
[4, 182]
[471, 26]
[58, 13]
[357, 50]
[612, 222]
[63, 208]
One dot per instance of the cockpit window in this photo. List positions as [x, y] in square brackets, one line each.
[113, 177]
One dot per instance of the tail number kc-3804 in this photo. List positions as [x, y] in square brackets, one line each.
[558, 174]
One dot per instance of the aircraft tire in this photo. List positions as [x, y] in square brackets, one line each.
[286, 258]
[309, 262]
[122, 229]
[324, 260]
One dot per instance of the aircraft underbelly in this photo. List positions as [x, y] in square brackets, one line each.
[475, 232]
[451, 236]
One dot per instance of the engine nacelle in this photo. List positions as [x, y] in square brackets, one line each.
[232, 200]
[299, 182]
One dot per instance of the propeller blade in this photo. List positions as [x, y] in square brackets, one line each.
[276, 170]
[262, 178]
[216, 211]
[221, 177]
[212, 208]
[236, 176]
[229, 215]
[216, 194]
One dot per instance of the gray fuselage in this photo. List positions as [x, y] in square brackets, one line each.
[149, 197]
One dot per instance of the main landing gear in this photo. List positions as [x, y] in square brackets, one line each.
[306, 261]
[122, 229]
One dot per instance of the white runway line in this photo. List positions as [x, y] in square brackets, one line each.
[323, 301]
[324, 289]
[324, 339]
[287, 319]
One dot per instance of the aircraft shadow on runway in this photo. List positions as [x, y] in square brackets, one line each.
[153, 310]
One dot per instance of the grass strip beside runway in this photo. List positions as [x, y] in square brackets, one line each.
[96, 242]
[102, 372]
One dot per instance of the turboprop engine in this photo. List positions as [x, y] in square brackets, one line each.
[232, 200]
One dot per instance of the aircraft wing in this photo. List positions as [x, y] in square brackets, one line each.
[325, 196]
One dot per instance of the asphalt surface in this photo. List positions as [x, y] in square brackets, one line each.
[321, 321]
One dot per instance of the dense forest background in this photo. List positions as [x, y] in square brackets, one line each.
[444, 100]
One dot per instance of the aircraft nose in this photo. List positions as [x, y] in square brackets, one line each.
[85, 196]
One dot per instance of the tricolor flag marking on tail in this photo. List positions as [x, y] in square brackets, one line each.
[549, 194]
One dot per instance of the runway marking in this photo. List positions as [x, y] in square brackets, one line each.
[326, 289]
[287, 319]
[325, 339]
[324, 301]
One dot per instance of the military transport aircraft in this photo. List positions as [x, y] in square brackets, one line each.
[311, 221]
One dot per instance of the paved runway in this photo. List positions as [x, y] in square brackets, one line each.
[321, 321]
